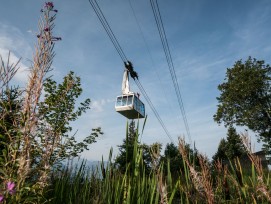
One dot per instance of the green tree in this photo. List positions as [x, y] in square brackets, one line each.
[10, 106]
[230, 148]
[174, 157]
[127, 150]
[235, 146]
[56, 112]
[221, 151]
[10, 103]
[245, 98]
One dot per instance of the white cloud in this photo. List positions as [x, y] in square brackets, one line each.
[98, 105]
[21, 75]
[12, 41]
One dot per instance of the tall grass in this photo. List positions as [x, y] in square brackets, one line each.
[203, 184]
[106, 184]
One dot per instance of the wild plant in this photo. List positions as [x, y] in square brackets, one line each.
[19, 138]
[10, 104]
[35, 132]
[201, 179]
[110, 185]
[260, 184]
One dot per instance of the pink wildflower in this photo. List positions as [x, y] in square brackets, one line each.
[49, 5]
[46, 29]
[10, 187]
[1, 198]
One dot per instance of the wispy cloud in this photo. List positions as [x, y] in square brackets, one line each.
[12, 41]
[98, 105]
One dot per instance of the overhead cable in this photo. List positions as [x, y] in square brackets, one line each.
[163, 37]
[107, 28]
[142, 90]
[151, 58]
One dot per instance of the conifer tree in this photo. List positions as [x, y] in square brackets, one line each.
[230, 148]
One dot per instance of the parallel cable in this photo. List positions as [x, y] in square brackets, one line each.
[163, 37]
[108, 29]
[150, 56]
[117, 46]
[142, 90]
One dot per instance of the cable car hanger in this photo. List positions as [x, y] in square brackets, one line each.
[130, 68]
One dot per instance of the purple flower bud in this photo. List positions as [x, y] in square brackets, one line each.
[49, 5]
[38, 36]
[46, 29]
[10, 186]
[1, 198]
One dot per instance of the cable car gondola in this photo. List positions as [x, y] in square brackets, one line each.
[129, 104]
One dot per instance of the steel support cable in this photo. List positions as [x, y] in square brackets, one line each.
[115, 42]
[151, 58]
[108, 29]
[142, 90]
[161, 30]
[170, 64]
[175, 81]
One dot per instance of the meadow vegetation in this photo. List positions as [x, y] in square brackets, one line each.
[194, 182]
[36, 137]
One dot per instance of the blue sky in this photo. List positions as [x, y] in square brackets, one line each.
[205, 38]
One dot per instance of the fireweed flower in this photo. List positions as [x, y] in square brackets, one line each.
[10, 187]
[1, 198]
[46, 29]
[49, 5]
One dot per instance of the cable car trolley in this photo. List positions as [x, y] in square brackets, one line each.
[129, 104]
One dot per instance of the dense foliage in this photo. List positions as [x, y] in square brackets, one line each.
[129, 146]
[208, 184]
[56, 112]
[230, 148]
[172, 159]
[10, 106]
[245, 98]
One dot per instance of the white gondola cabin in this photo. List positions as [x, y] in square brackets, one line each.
[130, 106]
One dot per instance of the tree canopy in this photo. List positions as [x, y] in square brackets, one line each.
[127, 150]
[56, 113]
[10, 105]
[245, 98]
[230, 148]
[173, 159]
